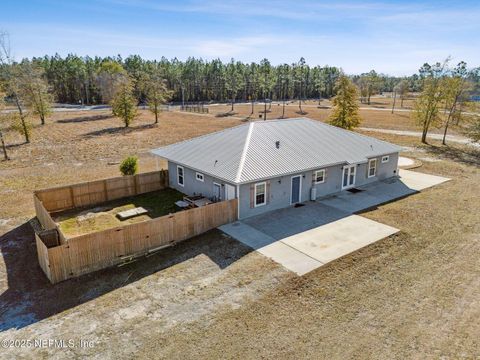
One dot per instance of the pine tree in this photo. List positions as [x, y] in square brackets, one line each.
[345, 107]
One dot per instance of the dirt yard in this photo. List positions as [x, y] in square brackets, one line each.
[412, 295]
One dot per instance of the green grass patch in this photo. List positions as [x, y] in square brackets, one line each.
[103, 216]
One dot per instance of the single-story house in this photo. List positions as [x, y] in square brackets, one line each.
[273, 164]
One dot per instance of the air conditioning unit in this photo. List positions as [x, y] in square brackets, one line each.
[313, 193]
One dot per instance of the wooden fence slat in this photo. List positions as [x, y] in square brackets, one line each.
[96, 192]
[43, 257]
[42, 214]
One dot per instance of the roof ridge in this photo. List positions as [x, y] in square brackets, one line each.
[244, 152]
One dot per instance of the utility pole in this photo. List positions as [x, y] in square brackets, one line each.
[394, 98]
[265, 110]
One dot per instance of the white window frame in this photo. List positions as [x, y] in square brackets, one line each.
[178, 176]
[264, 183]
[199, 177]
[385, 159]
[323, 176]
[369, 167]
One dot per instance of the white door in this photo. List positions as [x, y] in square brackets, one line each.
[229, 192]
[348, 178]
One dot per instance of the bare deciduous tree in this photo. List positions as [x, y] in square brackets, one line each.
[33, 89]
[426, 108]
[2, 116]
[10, 74]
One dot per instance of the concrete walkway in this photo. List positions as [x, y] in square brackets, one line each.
[408, 183]
[307, 237]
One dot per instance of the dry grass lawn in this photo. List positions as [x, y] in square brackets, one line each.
[383, 119]
[412, 295]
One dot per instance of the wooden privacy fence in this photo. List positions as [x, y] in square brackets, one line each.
[99, 191]
[62, 258]
[90, 252]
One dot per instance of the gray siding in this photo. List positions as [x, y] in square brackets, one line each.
[279, 194]
[192, 186]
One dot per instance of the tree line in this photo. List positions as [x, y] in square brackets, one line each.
[445, 98]
[31, 86]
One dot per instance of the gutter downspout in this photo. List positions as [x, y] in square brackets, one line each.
[238, 202]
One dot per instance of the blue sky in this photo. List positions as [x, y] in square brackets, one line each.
[394, 37]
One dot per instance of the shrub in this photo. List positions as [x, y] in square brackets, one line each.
[129, 166]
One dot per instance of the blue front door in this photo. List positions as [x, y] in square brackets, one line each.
[296, 189]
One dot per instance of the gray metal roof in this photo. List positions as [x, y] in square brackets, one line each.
[249, 153]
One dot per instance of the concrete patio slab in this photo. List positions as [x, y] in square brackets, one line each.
[419, 181]
[286, 222]
[283, 254]
[247, 235]
[290, 258]
[339, 238]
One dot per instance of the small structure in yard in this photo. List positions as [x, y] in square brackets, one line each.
[268, 165]
[127, 214]
[79, 230]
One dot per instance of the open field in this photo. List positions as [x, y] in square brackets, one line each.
[399, 120]
[412, 295]
[103, 216]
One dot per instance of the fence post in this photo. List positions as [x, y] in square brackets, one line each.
[135, 184]
[105, 189]
[72, 197]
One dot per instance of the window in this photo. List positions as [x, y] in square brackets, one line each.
[372, 168]
[260, 194]
[385, 159]
[180, 175]
[320, 176]
[199, 177]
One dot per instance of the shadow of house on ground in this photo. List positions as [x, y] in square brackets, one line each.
[29, 297]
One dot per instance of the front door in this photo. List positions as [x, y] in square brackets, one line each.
[296, 189]
[348, 178]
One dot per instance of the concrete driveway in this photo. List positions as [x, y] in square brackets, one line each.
[307, 237]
